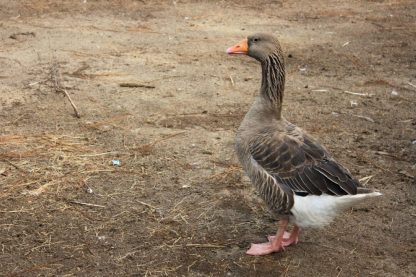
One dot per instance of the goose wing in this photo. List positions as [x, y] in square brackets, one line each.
[298, 162]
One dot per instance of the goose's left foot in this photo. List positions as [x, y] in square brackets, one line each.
[260, 249]
[275, 243]
[288, 238]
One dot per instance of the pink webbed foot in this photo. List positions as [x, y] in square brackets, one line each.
[275, 243]
[288, 238]
[266, 248]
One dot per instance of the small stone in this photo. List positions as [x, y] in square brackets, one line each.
[353, 103]
[115, 162]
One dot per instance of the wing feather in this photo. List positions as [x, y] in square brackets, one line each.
[300, 163]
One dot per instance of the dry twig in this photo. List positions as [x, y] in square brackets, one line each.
[135, 85]
[364, 181]
[206, 245]
[412, 85]
[364, 117]
[56, 78]
[16, 35]
[15, 166]
[147, 205]
[85, 204]
[357, 93]
[232, 81]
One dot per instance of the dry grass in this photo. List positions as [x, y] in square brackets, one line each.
[34, 164]
[231, 175]
[39, 163]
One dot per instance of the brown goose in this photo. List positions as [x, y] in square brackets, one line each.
[295, 175]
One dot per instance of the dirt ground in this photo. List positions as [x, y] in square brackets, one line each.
[157, 92]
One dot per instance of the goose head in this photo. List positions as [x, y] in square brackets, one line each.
[258, 46]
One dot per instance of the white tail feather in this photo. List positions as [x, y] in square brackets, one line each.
[320, 210]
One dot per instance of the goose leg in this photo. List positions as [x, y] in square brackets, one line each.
[288, 238]
[276, 245]
[293, 238]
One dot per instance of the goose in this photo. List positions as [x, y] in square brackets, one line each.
[293, 173]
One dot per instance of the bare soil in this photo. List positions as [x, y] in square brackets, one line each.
[179, 204]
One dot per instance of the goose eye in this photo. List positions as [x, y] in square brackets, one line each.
[255, 39]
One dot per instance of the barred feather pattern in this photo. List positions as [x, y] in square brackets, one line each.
[278, 199]
[273, 79]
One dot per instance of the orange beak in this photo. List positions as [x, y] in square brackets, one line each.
[240, 48]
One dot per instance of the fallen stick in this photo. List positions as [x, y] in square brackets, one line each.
[147, 205]
[15, 166]
[134, 85]
[345, 44]
[15, 35]
[100, 154]
[356, 115]
[72, 103]
[56, 77]
[404, 173]
[85, 204]
[412, 85]
[364, 117]
[204, 245]
[364, 181]
[357, 93]
[232, 81]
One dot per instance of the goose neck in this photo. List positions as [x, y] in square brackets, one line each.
[273, 82]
